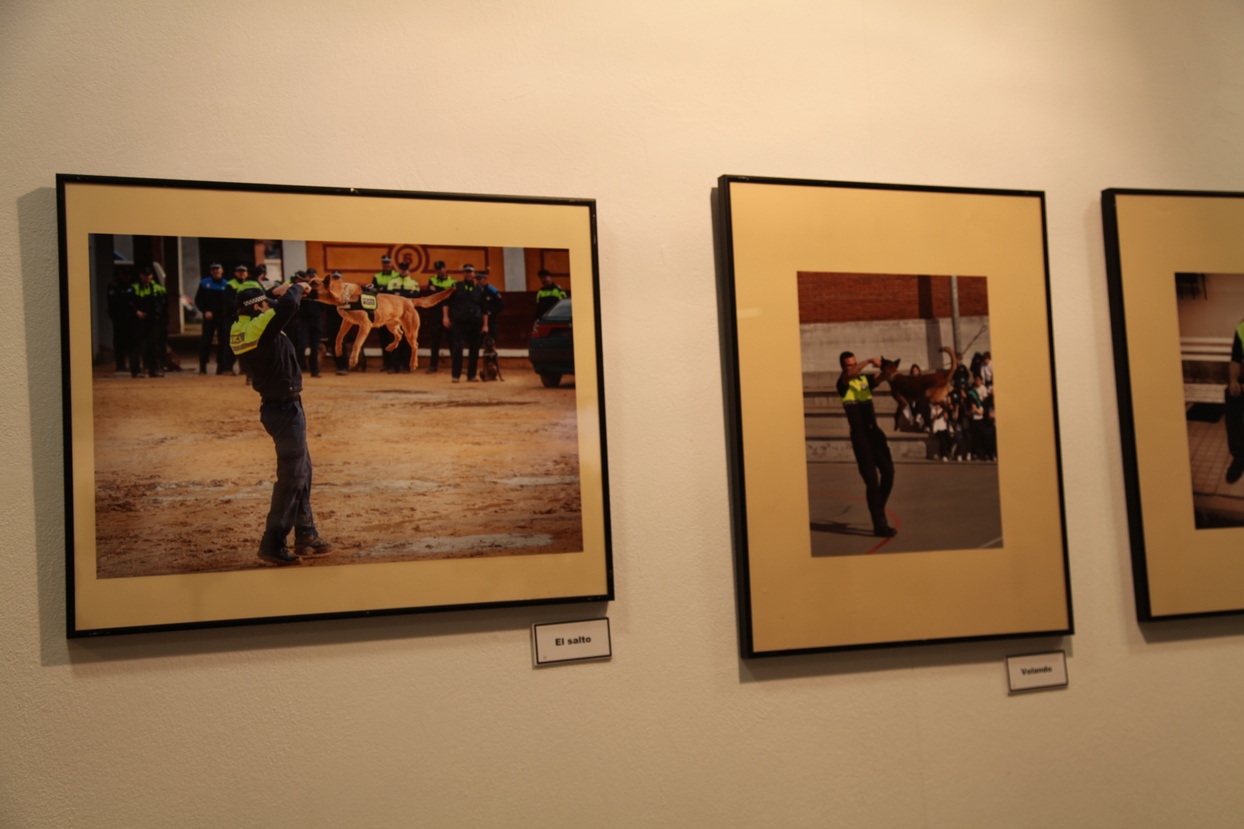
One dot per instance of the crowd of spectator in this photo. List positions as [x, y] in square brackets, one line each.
[964, 423]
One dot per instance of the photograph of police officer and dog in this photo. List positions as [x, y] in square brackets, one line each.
[274, 402]
[900, 418]
[1211, 342]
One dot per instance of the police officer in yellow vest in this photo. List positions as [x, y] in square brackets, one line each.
[548, 295]
[1235, 407]
[433, 318]
[148, 309]
[241, 279]
[267, 355]
[405, 285]
[385, 282]
[872, 451]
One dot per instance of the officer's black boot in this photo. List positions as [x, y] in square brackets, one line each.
[881, 528]
[275, 552]
[310, 545]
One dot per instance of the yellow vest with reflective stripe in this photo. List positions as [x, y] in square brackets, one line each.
[244, 334]
[857, 390]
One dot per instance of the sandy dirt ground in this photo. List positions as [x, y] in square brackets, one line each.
[406, 467]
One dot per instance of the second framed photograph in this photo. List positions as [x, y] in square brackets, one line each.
[296, 402]
[892, 415]
[1175, 267]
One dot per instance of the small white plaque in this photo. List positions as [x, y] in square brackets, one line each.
[571, 641]
[1037, 670]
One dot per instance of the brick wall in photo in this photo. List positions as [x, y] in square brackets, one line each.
[855, 297]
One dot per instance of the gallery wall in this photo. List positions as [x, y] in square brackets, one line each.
[440, 720]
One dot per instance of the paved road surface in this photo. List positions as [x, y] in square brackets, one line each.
[934, 506]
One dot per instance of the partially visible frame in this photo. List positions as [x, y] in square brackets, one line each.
[1175, 271]
[820, 583]
[495, 555]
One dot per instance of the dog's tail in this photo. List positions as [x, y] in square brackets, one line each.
[429, 301]
[954, 360]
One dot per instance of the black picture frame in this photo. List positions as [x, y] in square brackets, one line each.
[504, 556]
[1162, 247]
[796, 591]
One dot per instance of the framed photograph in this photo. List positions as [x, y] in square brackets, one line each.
[1175, 268]
[892, 415]
[224, 465]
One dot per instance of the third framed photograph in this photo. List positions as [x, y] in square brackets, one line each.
[1175, 269]
[892, 415]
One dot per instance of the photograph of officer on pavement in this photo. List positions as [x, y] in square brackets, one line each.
[900, 420]
[1211, 343]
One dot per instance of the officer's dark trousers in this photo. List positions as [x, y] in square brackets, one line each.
[401, 355]
[1235, 424]
[120, 344]
[872, 455]
[214, 327]
[291, 494]
[308, 345]
[466, 334]
[386, 356]
[144, 349]
[436, 335]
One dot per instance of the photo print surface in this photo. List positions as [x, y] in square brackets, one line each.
[900, 418]
[1211, 345]
[408, 464]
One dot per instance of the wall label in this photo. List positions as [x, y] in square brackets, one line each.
[571, 641]
[1037, 670]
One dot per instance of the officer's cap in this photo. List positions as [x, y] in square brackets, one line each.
[386, 258]
[543, 272]
[336, 274]
[213, 266]
[310, 272]
[404, 266]
[250, 296]
[438, 264]
[241, 268]
[468, 269]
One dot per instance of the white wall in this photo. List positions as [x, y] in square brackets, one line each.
[1216, 315]
[439, 720]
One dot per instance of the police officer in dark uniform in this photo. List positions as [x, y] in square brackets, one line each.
[548, 295]
[122, 317]
[148, 303]
[267, 355]
[308, 328]
[434, 321]
[493, 303]
[1235, 406]
[464, 317]
[872, 451]
[210, 300]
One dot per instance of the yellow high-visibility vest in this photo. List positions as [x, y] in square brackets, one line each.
[857, 390]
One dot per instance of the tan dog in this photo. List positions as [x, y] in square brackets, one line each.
[394, 312]
[920, 390]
